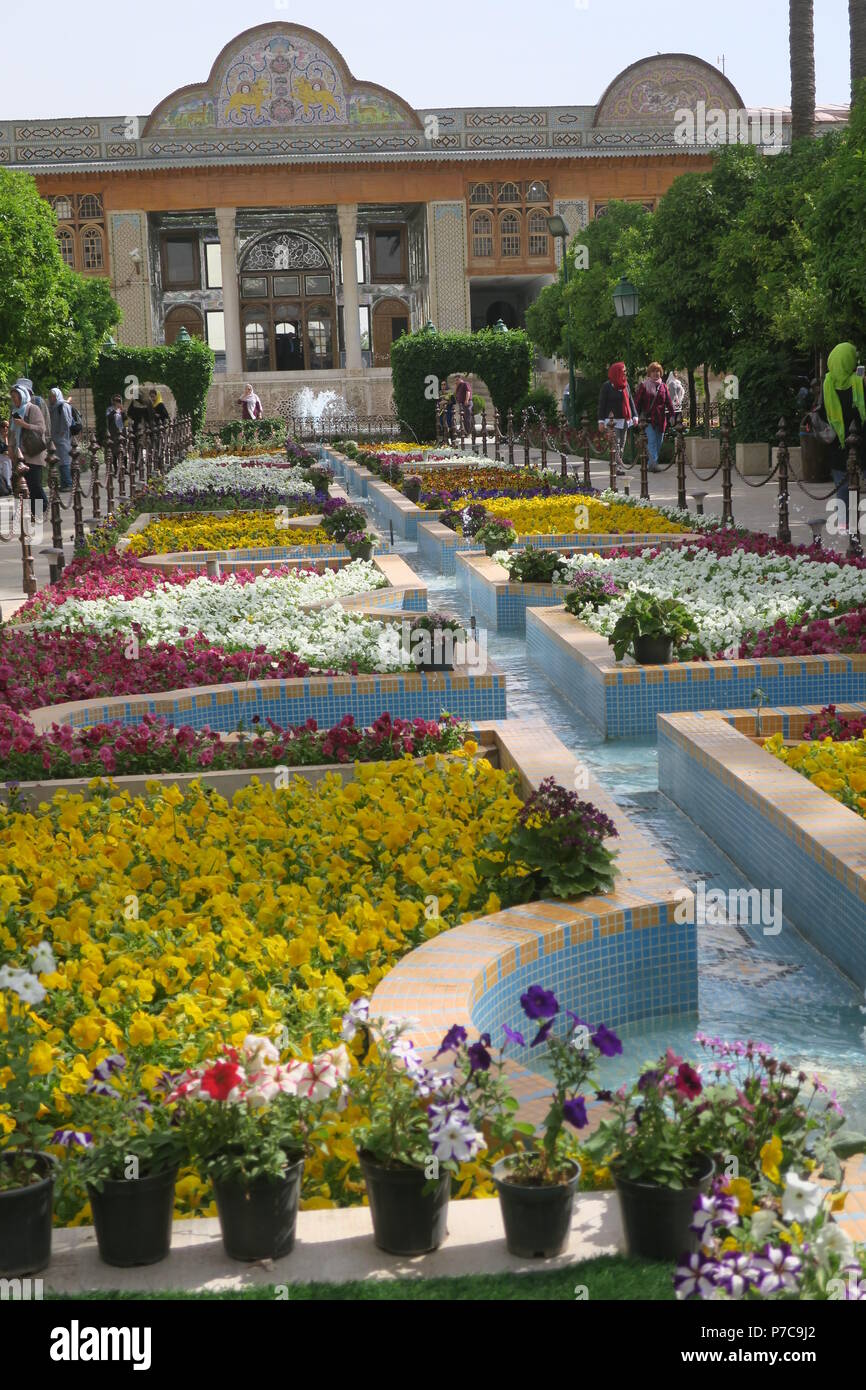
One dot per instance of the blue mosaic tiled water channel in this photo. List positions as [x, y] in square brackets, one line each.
[776, 989]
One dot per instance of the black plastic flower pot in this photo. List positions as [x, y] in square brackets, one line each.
[25, 1222]
[412, 491]
[656, 1219]
[491, 547]
[133, 1218]
[406, 1219]
[258, 1218]
[361, 552]
[654, 651]
[537, 1218]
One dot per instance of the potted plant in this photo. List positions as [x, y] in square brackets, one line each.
[532, 565]
[247, 1120]
[319, 475]
[496, 535]
[656, 1144]
[536, 1183]
[359, 545]
[653, 627]
[26, 1170]
[416, 1128]
[430, 640]
[340, 517]
[556, 847]
[472, 518]
[589, 589]
[412, 485]
[130, 1172]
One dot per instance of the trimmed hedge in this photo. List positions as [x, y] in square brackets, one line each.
[419, 361]
[185, 368]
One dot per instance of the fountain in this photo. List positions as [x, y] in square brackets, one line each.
[312, 414]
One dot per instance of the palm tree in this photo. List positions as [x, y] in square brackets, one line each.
[857, 26]
[802, 40]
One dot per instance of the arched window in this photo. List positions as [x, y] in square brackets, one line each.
[509, 234]
[92, 252]
[183, 316]
[539, 237]
[319, 336]
[89, 207]
[509, 193]
[287, 305]
[537, 192]
[256, 344]
[66, 242]
[63, 209]
[482, 235]
[481, 193]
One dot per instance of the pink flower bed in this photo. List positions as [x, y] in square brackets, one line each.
[154, 746]
[49, 668]
[817, 637]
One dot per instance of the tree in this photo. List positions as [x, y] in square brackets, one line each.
[52, 320]
[836, 229]
[802, 46]
[582, 313]
[857, 28]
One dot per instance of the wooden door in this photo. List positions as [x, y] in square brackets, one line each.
[390, 321]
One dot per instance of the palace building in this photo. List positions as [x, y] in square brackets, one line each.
[299, 219]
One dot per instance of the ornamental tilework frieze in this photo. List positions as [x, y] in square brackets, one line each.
[518, 119]
[535, 140]
[284, 251]
[89, 131]
[127, 231]
[55, 154]
[567, 139]
[575, 214]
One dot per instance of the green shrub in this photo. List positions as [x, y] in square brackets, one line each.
[419, 361]
[185, 368]
[542, 402]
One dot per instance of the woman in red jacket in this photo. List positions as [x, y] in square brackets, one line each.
[654, 401]
[616, 400]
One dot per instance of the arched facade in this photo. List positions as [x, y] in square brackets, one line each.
[288, 305]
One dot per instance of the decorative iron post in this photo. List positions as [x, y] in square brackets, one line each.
[727, 482]
[680, 456]
[93, 450]
[54, 504]
[784, 531]
[484, 429]
[497, 437]
[28, 577]
[855, 546]
[584, 434]
[140, 457]
[610, 430]
[642, 457]
[77, 501]
[542, 423]
[510, 436]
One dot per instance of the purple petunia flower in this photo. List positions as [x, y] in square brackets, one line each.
[575, 1112]
[539, 1003]
[543, 1033]
[453, 1040]
[479, 1057]
[513, 1036]
[607, 1042]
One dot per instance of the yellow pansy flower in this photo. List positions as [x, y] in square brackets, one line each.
[771, 1157]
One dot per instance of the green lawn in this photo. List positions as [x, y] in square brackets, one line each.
[609, 1277]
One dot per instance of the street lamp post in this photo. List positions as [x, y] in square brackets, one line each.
[626, 303]
[558, 229]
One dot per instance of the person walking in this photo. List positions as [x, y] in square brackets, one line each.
[158, 406]
[615, 398]
[843, 400]
[62, 420]
[5, 460]
[450, 400]
[463, 397]
[114, 419]
[37, 400]
[251, 406]
[677, 393]
[654, 401]
[28, 433]
[139, 412]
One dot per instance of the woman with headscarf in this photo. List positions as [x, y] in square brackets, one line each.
[158, 406]
[677, 393]
[251, 406]
[843, 401]
[60, 413]
[654, 402]
[616, 399]
[27, 419]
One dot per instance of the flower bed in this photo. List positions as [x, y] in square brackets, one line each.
[270, 611]
[249, 530]
[39, 668]
[554, 515]
[224, 476]
[269, 909]
[732, 594]
[155, 746]
[838, 767]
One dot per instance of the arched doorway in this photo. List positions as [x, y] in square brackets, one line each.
[391, 318]
[288, 310]
[183, 316]
[501, 309]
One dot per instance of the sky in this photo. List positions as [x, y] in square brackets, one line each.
[93, 62]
